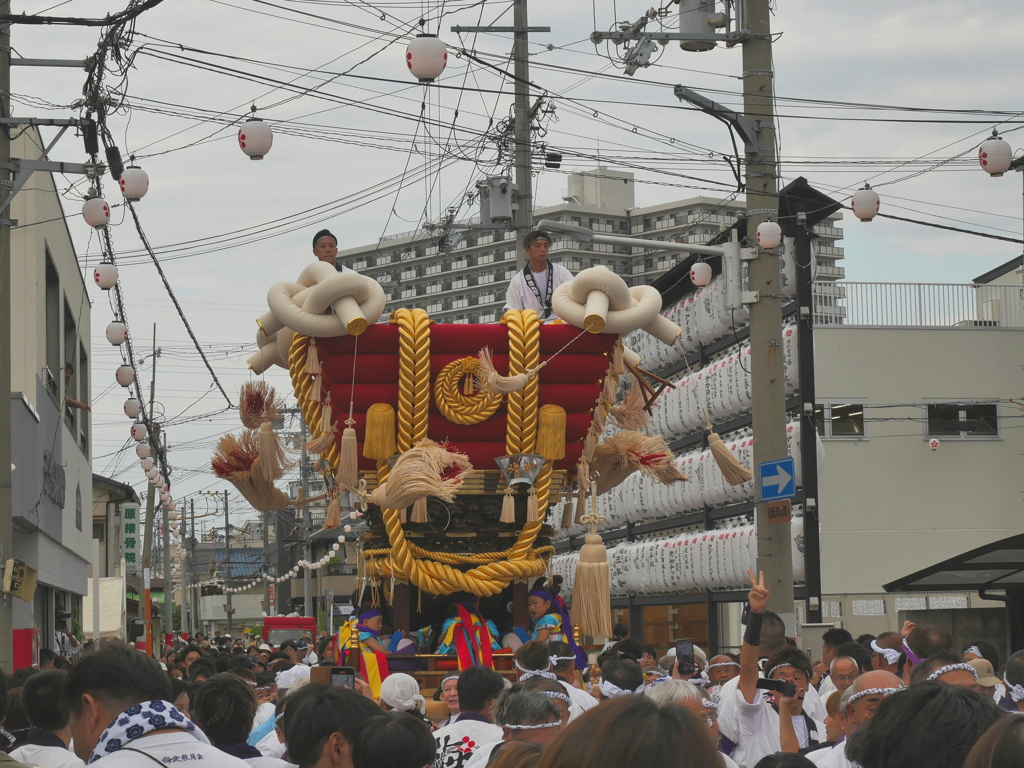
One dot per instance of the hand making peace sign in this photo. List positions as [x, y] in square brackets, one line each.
[758, 596]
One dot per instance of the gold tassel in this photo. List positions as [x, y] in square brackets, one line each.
[733, 472]
[312, 360]
[532, 507]
[326, 416]
[348, 463]
[419, 510]
[467, 384]
[272, 459]
[591, 592]
[403, 515]
[490, 381]
[567, 510]
[551, 432]
[618, 364]
[589, 444]
[317, 391]
[508, 507]
[333, 517]
[328, 431]
[379, 440]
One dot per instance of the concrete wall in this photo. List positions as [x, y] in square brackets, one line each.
[889, 505]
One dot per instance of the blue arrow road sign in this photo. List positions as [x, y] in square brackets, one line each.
[777, 479]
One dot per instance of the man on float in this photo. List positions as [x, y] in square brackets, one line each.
[325, 248]
[533, 286]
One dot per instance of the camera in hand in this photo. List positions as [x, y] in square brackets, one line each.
[783, 687]
[63, 615]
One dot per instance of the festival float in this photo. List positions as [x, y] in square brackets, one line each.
[455, 441]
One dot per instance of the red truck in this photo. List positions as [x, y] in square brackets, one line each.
[277, 629]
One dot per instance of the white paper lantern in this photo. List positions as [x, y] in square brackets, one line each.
[295, 569]
[172, 505]
[143, 450]
[995, 155]
[105, 275]
[147, 464]
[152, 473]
[158, 481]
[96, 212]
[173, 515]
[164, 496]
[346, 529]
[125, 375]
[865, 203]
[934, 444]
[255, 138]
[700, 273]
[139, 431]
[134, 183]
[117, 333]
[426, 57]
[335, 547]
[132, 407]
[769, 234]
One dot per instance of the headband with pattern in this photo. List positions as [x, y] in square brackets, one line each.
[532, 727]
[974, 651]
[556, 695]
[446, 679]
[611, 690]
[1016, 691]
[873, 692]
[777, 667]
[722, 664]
[526, 674]
[952, 668]
[891, 654]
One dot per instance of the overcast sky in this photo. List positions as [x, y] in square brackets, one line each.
[341, 151]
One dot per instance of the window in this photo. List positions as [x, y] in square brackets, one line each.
[70, 349]
[840, 420]
[54, 381]
[84, 392]
[962, 420]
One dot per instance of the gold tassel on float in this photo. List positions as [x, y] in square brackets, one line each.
[419, 511]
[583, 480]
[317, 391]
[273, 461]
[328, 430]
[379, 441]
[733, 472]
[532, 506]
[312, 360]
[348, 462]
[591, 592]
[490, 381]
[333, 517]
[551, 432]
[618, 364]
[467, 384]
[508, 506]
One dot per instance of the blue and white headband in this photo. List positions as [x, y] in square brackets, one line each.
[611, 690]
[891, 655]
[1016, 691]
[973, 650]
[526, 674]
[873, 692]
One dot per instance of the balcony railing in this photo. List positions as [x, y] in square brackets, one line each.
[923, 305]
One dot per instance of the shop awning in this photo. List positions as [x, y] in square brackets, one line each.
[994, 566]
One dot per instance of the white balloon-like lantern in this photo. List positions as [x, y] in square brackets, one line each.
[105, 275]
[117, 333]
[164, 497]
[865, 203]
[700, 273]
[96, 212]
[995, 155]
[132, 407]
[125, 375]
[934, 444]
[139, 431]
[147, 464]
[152, 472]
[143, 450]
[346, 529]
[134, 183]
[157, 481]
[335, 547]
[426, 57]
[769, 234]
[255, 138]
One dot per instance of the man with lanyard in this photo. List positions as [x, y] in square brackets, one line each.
[325, 248]
[770, 725]
[533, 286]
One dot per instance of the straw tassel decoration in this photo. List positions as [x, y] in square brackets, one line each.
[348, 462]
[629, 412]
[618, 363]
[508, 506]
[317, 390]
[733, 472]
[273, 461]
[426, 469]
[312, 360]
[624, 453]
[583, 478]
[490, 381]
[591, 603]
[257, 402]
[328, 430]
[419, 510]
[333, 517]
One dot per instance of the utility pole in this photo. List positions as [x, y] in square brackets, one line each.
[523, 217]
[147, 550]
[227, 562]
[266, 562]
[307, 528]
[774, 555]
[168, 601]
[6, 529]
[193, 596]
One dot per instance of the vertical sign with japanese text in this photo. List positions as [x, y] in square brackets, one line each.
[131, 530]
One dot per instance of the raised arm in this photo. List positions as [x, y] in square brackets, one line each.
[757, 599]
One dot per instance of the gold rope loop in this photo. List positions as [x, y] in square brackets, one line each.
[456, 406]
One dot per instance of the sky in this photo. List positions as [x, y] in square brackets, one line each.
[351, 152]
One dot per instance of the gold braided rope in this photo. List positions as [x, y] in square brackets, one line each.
[413, 375]
[456, 558]
[454, 405]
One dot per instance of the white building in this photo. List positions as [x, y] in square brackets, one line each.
[50, 366]
[466, 282]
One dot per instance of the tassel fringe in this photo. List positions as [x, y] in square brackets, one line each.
[508, 507]
[532, 507]
[419, 510]
[733, 472]
[491, 382]
[333, 517]
[312, 360]
[348, 463]
[629, 412]
[591, 592]
[379, 441]
[551, 432]
[426, 469]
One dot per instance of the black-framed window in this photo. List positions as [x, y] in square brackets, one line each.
[963, 420]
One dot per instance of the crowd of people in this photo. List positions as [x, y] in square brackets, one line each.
[903, 698]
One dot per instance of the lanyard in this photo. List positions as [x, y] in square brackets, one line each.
[531, 281]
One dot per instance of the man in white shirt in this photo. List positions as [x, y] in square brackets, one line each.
[122, 716]
[50, 734]
[457, 743]
[778, 723]
[534, 285]
[564, 667]
[321, 723]
[859, 703]
[224, 707]
[830, 642]
[522, 716]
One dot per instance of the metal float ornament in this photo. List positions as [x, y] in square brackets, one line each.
[105, 275]
[255, 138]
[96, 212]
[426, 57]
[700, 273]
[769, 234]
[865, 203]
[134, 183]
[995, 155]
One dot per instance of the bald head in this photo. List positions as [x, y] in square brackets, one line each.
[861, 709]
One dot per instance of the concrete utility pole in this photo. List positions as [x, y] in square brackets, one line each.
[266, 562]
[307, 528]
[147, 550]
[774, 555]
[6, 529]
[523, 218]
[168, 601]
[227, 562]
